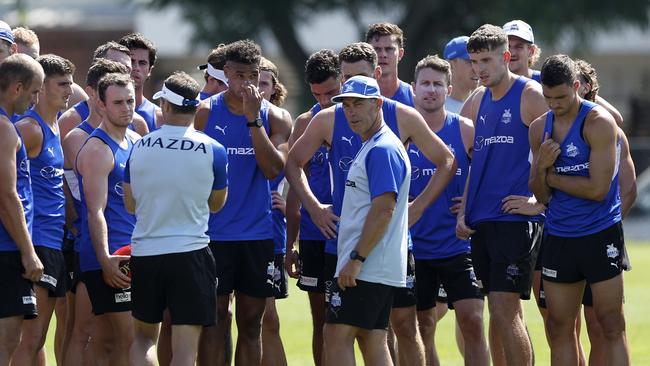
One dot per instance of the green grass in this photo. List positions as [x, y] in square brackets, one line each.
[296, 322]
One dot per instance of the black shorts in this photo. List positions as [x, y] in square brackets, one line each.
[587, 297]
[312, 265]
[329, 270]
[104, 298]
[365, 306]
[55, 276]
[405, 296]
[18, 298]
[244, 266]
[185, 283]
[456, 274]
[280, 278]
[503, 254]
[594, 258]
[71, 264]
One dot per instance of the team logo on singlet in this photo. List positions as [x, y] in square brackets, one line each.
[414, 151]
[24, 165]
[50, 172]
[318, 158]
[51, 150]
[506, 117]
[572, 151]
[482, 118]
[451, 148]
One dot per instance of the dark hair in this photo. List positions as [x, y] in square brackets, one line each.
[217, 56]
[321, 66]
[385, 29]
[184, 85]
[135, 41]
[360, 51]
[487, 37]
[112, 79]
[101, 67]
[558, 70]
[54, 65]
[102, 50]
[18, 68]
[435, 63]
[587, 74]
[244, 52]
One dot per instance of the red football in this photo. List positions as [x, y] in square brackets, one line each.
[124, 265]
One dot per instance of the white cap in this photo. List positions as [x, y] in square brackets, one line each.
[521, 29]
[174, 98]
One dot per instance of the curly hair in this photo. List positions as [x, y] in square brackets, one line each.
[321, 66]
[279, 90]
[360, 51]
[587, 74]
[385, 29]
[244, 52]
[487, 37]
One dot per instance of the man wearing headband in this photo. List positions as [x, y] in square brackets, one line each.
[215, 79]
[373, 232]
[7, 43]
[170, 233]
[255, 137]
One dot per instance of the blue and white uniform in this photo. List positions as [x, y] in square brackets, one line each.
[404, 94]
[119, 222]
[434, 235]
[147, 110]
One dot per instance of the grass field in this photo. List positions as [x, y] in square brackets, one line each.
[296, 323]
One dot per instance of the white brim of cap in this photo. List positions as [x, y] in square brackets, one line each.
[337, 98]
[523, 35]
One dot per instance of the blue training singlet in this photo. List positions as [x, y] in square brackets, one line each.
[46, 171]
[203, 95]
[537, 76]
[434, 235]
[246, 214]
[345, 146]
[87, 128]
[119, 222]
[147, 110]
[318, 178]
[571, 216]
[24, 189]
[82, 109]
[404, 94]
[501, 158]
[279, 220]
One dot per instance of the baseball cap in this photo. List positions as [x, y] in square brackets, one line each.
[5, 32]
[456, 48]
[521, 29]
[358, 87]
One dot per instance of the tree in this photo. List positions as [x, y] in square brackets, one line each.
[427, 24]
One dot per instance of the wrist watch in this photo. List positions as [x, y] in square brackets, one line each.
[256, 123]
[354, 255]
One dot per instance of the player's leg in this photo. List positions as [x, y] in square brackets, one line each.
[143, 348]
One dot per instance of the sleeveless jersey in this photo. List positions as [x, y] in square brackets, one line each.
[571, 216]
[246, 214]
[279, 221]
[120, 223]
[345, 146]
[24, 189]
[46, 171]
[318, 178]
[147, 110]
[203, 95]
[404, 94]
[501, 158]
[82, 109]
[434, 235]
[537, 76]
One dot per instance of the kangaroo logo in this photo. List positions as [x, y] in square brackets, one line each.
[222, 129]
[347, 139]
